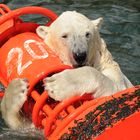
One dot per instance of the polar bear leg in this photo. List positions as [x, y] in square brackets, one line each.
[77, 82]
[12, 102]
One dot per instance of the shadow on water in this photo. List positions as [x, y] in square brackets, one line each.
[121, 30]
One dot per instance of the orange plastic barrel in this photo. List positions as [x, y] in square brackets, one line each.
[24, 55]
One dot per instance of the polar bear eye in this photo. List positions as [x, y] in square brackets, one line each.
[87, 34]
[65, 36]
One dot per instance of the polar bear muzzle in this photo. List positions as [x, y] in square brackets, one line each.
[80, 58]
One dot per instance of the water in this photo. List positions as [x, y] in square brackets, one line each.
[121, 31]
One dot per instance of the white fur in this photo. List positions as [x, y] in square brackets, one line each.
[100, 76]
[13, 100]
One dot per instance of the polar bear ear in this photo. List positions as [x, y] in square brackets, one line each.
[98, 22]
[42, 31]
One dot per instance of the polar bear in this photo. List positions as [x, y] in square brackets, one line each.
[76, 40]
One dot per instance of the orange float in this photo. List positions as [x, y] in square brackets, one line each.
[24, 55]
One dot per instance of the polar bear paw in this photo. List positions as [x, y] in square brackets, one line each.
[13, 100]
[17, 91]
[62, 85]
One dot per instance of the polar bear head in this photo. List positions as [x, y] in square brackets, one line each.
[71, 36]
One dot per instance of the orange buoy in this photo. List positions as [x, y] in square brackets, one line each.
[114, 117]
[24, 55]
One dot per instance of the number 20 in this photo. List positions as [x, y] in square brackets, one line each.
[20, 66]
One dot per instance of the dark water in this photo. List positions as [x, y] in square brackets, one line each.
[121, 30]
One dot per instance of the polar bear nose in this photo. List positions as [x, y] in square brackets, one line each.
[80, 57]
